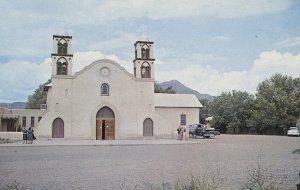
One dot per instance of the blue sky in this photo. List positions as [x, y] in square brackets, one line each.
[209, 45]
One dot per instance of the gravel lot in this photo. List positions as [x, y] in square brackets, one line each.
[110, 167]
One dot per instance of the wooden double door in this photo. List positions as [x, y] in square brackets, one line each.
[105, 129]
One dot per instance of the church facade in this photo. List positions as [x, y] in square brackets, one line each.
[103, 101]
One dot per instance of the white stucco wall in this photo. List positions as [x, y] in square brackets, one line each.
[12, 136]
[131, 100]
[169, 119]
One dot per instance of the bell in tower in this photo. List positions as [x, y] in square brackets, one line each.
[62, 56]
[144, 61]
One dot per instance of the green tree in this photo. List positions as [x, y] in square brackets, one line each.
[38, 97]
[298, 126]
[232, 111]
[277, 105]
[158, 89]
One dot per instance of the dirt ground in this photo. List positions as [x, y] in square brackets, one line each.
[227, 157]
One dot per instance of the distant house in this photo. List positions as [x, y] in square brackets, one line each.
[208, 122]
[12, 120]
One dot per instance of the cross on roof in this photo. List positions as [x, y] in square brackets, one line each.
[143, 29]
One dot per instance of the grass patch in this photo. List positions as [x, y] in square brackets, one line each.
[4, 141]
[200, 183]
[14, 186]
[259, 178]
[210, 181]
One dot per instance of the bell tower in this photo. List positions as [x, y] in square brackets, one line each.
[144, 61]
[62, 55]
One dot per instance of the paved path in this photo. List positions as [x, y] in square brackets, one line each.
[74, 165]
[69, 142]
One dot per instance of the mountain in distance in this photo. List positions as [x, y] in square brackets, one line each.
[179, 88]
[14, 105]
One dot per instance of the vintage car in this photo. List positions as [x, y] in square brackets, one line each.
[200, 130]
[293, 131]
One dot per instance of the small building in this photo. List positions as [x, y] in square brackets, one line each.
[12, 120]
[208, 122]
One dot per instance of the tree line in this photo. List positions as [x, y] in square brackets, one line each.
[272, 110]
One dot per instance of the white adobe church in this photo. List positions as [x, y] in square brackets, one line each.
[103, 101]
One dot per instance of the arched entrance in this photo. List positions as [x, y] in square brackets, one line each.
[58, 128]
[148, 127]
[105, 124]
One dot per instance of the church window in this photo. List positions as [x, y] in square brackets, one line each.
[104, 90]
[143, 53]
[24, 121]
[182, 119]
[146, 71]
[57, 107]
[62, 67]
[147, 53]
[62, 47]
[32, 122]
[134, 71]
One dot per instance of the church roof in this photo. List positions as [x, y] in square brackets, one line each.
[176, 100]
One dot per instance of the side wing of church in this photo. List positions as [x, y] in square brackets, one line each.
[103, 101]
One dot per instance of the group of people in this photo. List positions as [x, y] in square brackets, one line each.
[28, 135]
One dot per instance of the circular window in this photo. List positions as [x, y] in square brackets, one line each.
[104, 71]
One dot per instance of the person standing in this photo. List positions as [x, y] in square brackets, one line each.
[24, 135]
[33, 137]
[180, 133]
[203, 129]
[30, 135]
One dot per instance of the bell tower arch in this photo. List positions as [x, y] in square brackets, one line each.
[62, 55]
[144, 61]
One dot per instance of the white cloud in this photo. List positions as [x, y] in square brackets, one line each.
[271, 62]
[211, 81]
[94, 11]
[82, 59]
[18, 79]
[291, 42]
[153, 9]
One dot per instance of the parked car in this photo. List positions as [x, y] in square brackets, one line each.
[293, 131]
[199, 130]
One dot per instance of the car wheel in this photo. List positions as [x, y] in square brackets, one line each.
[212, 135]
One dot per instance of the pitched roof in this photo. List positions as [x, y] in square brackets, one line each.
[177, 100]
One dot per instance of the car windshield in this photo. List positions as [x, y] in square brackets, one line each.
[293, 128]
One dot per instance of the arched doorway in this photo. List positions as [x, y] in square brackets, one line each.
[148, 127]
[105, 124]
[58, 128]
